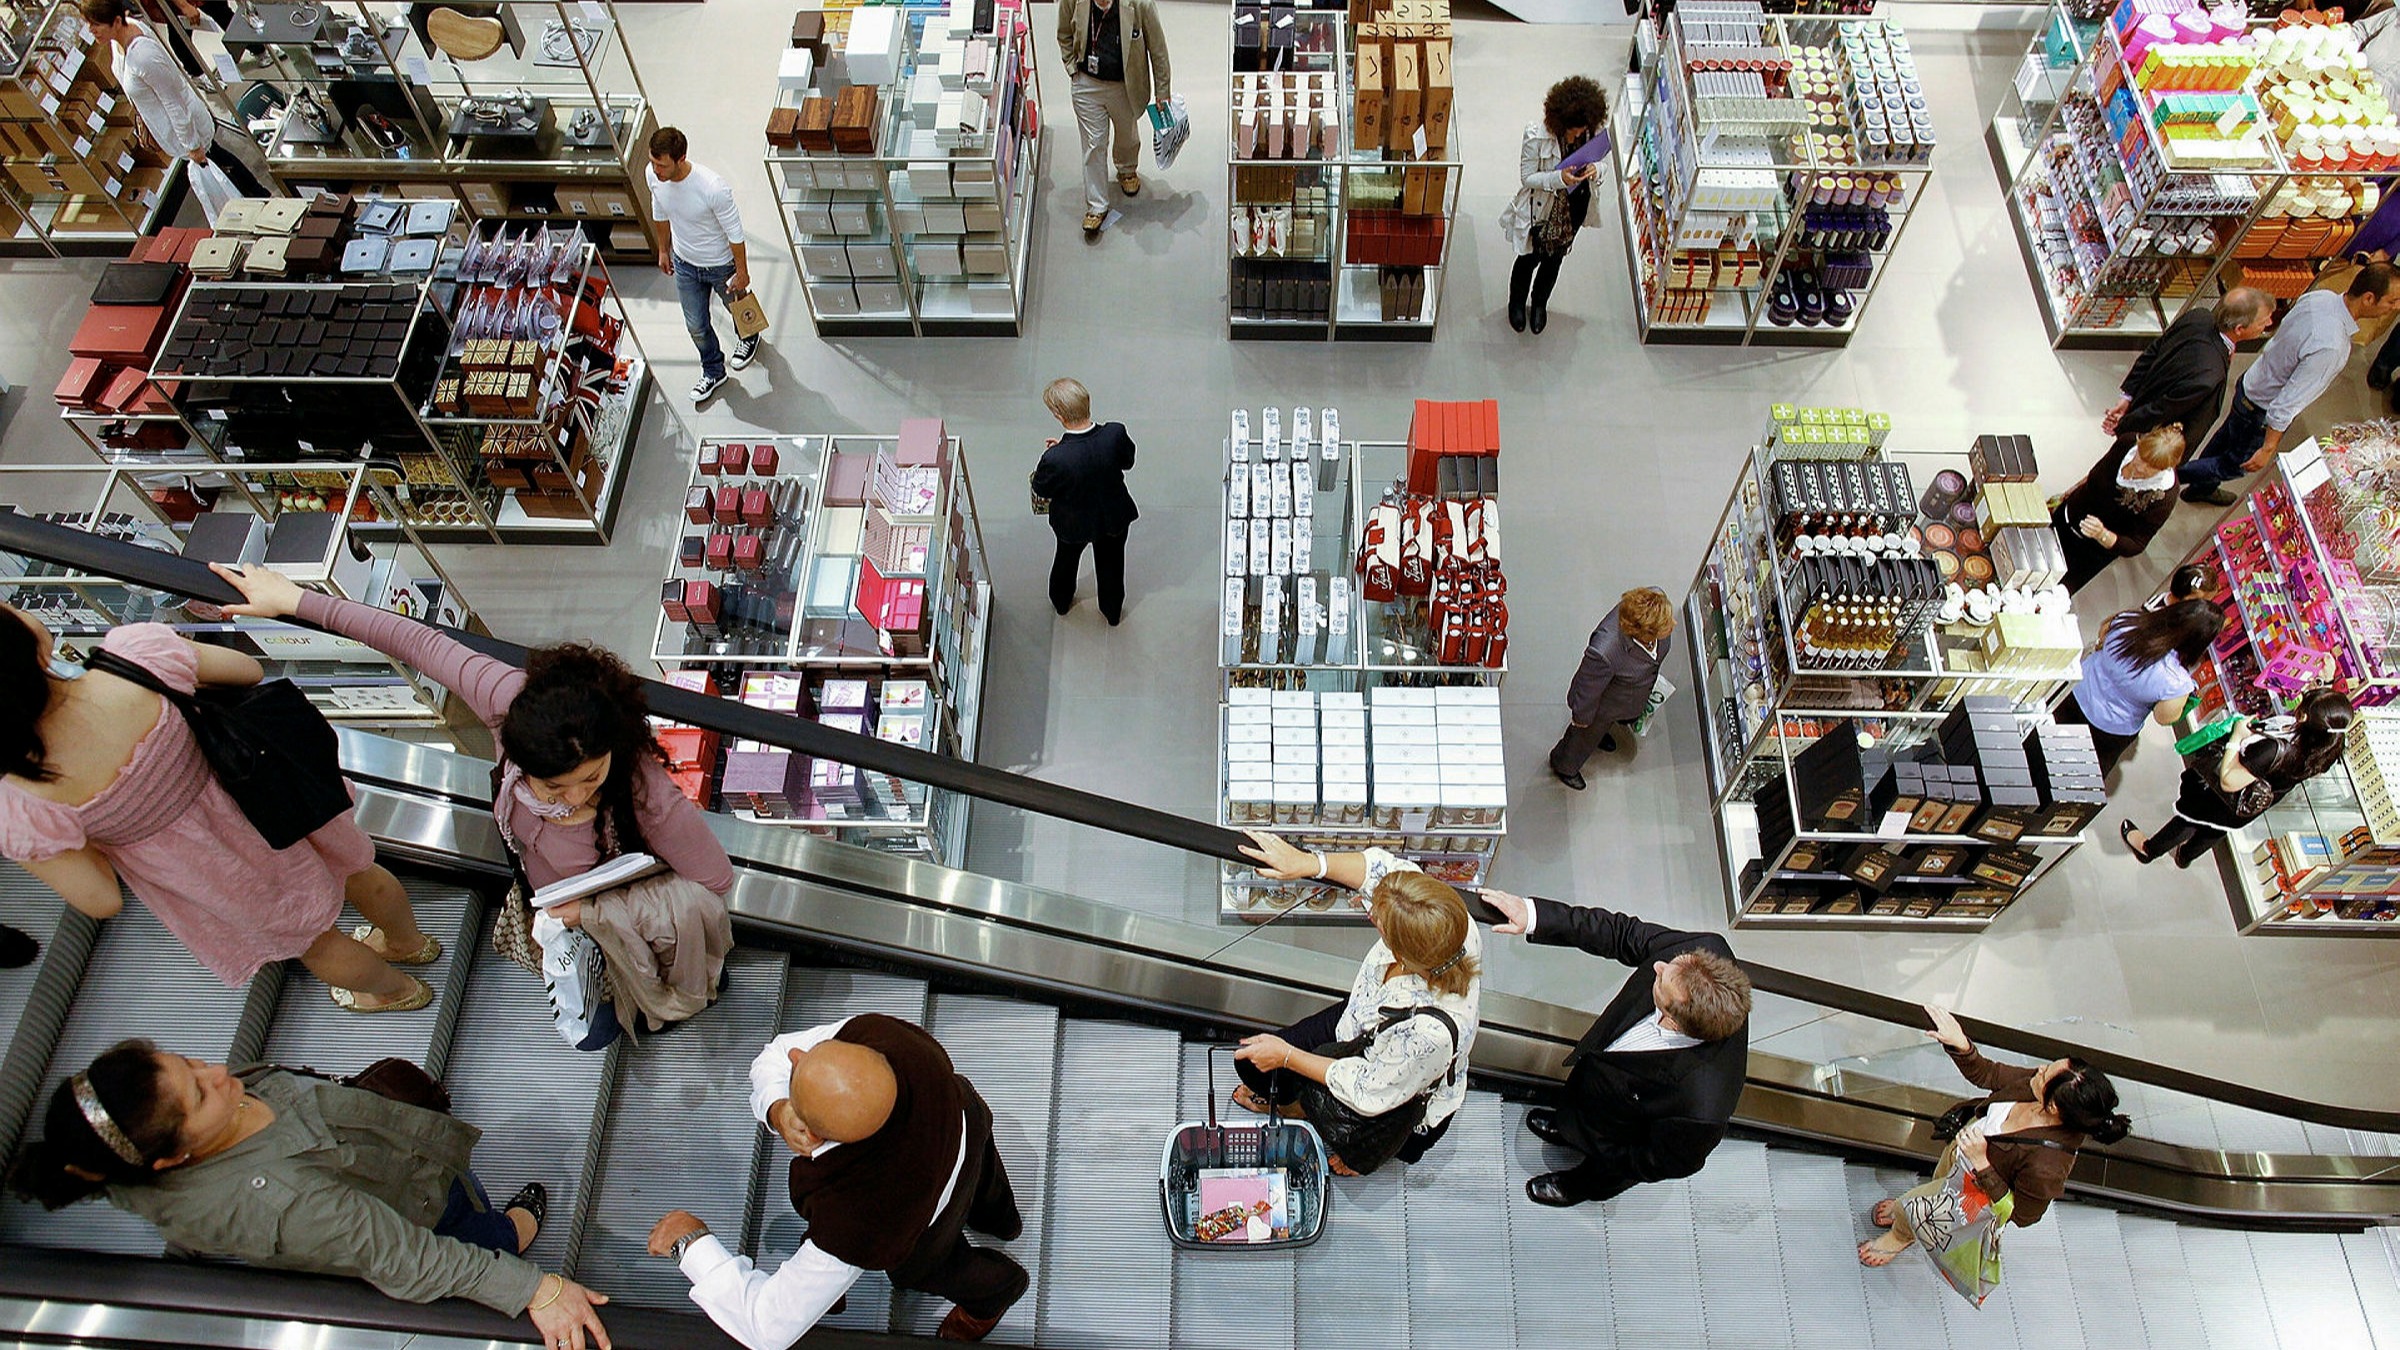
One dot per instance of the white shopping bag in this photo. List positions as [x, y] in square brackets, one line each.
[1170, 127]
[575, 975]
[214, 189]
[1659, 693]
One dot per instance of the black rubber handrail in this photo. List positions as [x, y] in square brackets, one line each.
[95, 555]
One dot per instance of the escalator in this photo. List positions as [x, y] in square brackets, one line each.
[2242, 1222]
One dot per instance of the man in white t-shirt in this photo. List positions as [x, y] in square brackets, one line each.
[700, 245]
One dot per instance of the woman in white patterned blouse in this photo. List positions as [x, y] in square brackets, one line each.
[1428, 954]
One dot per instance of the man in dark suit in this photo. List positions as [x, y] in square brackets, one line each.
[2179, 378]
[1081, 478]
[1652, 1085]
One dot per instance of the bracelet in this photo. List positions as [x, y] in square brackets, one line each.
[554, 1294]
[1324, 860]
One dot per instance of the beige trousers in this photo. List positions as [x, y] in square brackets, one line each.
[1112, 130]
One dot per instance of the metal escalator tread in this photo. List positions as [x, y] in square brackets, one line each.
[530, 1093]
[2106, 1309]
[30, 906]
[310, 1030]
[2037, 1303]
[1455, 1205]
[2224, 1283]
[814, 996]
[1351, 1288]
[2309, 1294]
[140, 982]
[1229, 1300]
[1561, 1293]
[1904, 1299]
[1106, 1258]
[1009, 1051]
[2376, 1284]
[2154, 1254]
[680, 1134]
[1736, 1236]
[1652, 1256]
[1816, 1238]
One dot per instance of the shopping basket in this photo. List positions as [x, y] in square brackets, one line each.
[1288, 1147]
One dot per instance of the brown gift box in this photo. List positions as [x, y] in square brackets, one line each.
[783, 128]
[816, 124]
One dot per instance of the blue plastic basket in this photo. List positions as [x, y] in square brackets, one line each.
[1291, 1145]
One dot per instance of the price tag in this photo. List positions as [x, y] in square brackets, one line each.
[1418, 139]
[83, 147]
[95, 121]
[125, 162]
[60, 80]
[1893, 825]
[50, 104]
[225, 68]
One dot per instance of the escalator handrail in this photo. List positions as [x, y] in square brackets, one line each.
[97, 556]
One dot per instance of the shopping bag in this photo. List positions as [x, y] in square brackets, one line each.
[1659, 693]
[749, 316]
[575, 976]
[1958, 1228]
[1170, 127]
[214, 189]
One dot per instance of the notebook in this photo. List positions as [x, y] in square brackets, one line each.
[617, 871]
[1242, 1205]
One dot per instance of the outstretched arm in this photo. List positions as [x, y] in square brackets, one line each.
[1622, 938]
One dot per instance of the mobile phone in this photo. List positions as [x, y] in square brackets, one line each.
[1481, 910]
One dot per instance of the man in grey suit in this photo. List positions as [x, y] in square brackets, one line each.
[1613, 682]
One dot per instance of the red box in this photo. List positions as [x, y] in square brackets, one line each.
[125, 334]
[762, 459]
[923, 442]
[720, 550]
[749, 553]
[733, 459]
[696, 506]
[81, 384]
[756, 509]
[123, 390]
[729, 506]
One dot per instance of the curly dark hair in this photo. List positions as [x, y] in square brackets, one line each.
[1574, 102]
[580, 702]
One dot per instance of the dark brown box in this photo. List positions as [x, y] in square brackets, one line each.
[854, 119]
[816, 124]
[783, 128]
[808, 30]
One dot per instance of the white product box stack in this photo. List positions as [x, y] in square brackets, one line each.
[1278, 609]
[1474, 783]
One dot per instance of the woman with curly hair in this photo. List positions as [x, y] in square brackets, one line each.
[581, 780]
[1551, 203]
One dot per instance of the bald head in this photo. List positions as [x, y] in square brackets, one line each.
[843, 1092]
[2244, 313]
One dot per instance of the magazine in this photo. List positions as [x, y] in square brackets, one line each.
[617, 871]
[1242, 1204]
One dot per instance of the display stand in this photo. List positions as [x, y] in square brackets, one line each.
[916, 219]
[289, 517]
[2325, 861]
[1766, 214]
[551, 126]
[844, 580]
[1765, 697]
[79, 178]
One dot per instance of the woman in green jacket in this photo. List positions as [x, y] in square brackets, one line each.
[298, 1173]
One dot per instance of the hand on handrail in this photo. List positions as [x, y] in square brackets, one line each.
[1946, 1028]
[266, 593]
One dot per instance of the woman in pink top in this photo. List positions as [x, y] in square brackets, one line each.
[100, 780]
[582, 779]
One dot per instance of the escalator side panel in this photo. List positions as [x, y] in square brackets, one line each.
[140, 982]
[680, 1135]
[29, 905]
[1106, 1258]
[1231, 1300]
[310, 1030]
[1009, 1051]
[530, 1093]
[1456, 1204]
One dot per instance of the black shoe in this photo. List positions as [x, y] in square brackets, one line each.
[2216, 496]
[1546, 1126]
[1538, 318]
[1007, 1232]
[1062, 609]
[1573, 780]
[1516, 315]
[1608, 743]
[744, 352]
[2378, 378]
[1550, 1188]
[1113, 619]
[840, 1305]
[534, 1199]
[17, 949]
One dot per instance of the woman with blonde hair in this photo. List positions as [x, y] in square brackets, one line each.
[1400, 1040]
[1612, 683]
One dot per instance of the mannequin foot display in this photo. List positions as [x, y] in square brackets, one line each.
[744, 352]
[705, 388]
[1092, 221]
[1782, 305]
[1538, 317]
[1130, 184]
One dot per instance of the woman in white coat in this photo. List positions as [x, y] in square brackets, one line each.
[1551, 203]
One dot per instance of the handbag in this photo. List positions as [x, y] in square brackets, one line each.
[267, 745]
[575, 977]
[393, 1079]
[1041, 504]
[1958, 1227]
[1364, 1143]
[512, 931]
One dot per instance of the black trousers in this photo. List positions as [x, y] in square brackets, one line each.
[1108, 560]
[983, 1281]
[1283, 1085]
[2187, 841]
[2110, 746]
[244, 181]
[1531, 278]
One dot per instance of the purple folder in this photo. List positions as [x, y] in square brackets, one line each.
[1593, 151]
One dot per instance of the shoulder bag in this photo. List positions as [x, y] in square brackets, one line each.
[1364, 1143]
[269, 747]
[392, 1079]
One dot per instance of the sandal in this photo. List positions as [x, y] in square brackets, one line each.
[423, 956]
[347, 999]
[1249, 1101]
[534, 1198]
[1874, 1256]
[2125, 831]
[1333, 1161]
[1092, 221]
[1881, 1215]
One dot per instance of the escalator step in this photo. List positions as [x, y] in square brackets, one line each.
[1651, 1252]
[310, 1030]
[141, 982]
[1229, 1300]
[1737, 1236]
[2154, 1253]
[2309, 1292]
[814, 996]
[1905, 1293]
[2378, 1286]
[1455, 1203]
[1817, 1233]
[1107, 1257]
[2094, 1248]
[1555, 1250]
[2233, 1304]
[528, 1091]
[680, 1135]
[1009, 1051]
[30, 906]
[1351, 1288]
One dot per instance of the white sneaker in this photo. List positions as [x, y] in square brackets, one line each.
[704, 389]
[744, 352]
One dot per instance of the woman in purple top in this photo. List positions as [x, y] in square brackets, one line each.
[582, 779]
[2140, 671]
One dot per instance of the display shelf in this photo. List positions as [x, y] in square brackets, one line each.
[2315, 864]
[77, 177]
[919, 224]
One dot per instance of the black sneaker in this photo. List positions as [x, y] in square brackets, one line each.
[744, 352]
[1573, 780]
[2212, 497]
[704, 389]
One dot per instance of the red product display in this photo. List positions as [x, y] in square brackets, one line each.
[720, 550]
[728, 506]
[763, 459]
[697, 506]
[923, 442]
[749, 552]
[733, 458]
[1392, 239]
[757, 510]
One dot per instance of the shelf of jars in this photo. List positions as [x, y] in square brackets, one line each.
[904, 146]
[1766, 169]
[840, 578]
[526, 111]
[299, 518]
[77, 178]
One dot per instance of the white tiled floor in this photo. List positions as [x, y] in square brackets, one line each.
[1618, 460]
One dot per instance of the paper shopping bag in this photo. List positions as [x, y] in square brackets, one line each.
[749, 316]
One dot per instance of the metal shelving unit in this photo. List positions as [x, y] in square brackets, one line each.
[76, 177]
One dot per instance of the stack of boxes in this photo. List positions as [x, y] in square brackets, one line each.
[1282, 603]
[903, 501]
[768, 781]
[744, 539]
[67, 131]
[691, 751]
[1395, 760]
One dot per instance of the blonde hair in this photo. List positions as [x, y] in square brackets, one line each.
[2160, 447]
[1068, 400]
[1715, 999]
[1425, 924]
[1645, 614]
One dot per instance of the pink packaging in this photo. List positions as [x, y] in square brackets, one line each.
[2156, 28]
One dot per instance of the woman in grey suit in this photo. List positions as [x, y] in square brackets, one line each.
[1613, 682]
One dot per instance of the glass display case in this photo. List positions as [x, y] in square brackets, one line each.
[2325, 861]
[1766, 169]
[904, 172]
[76, 175]
[522, 110]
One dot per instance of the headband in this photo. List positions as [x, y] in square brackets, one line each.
[96, 1116]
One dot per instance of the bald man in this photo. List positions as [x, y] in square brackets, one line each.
[894, 1162]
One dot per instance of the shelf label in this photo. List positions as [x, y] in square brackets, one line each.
[417, 71]
[50, 104]
[83, 147]
[95, 122]
[1418, 139]
[225, 68]
[1893, 825]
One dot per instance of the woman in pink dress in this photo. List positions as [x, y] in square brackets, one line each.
[100, 780]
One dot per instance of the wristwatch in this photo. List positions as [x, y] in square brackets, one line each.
[675, 1253]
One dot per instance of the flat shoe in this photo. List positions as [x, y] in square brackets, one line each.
[347, 999]
[1092, 221]
[422, 956]
[1545, 1125]
[1130, 184]
[2125, 832]
[1573, 780]
[1550, 1189]
[534, 1198]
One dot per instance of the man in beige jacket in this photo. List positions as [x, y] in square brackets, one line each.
[1116, 57]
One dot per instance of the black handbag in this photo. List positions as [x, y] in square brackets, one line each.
[1950, 1122]
[1364, 1143]
[270, 748]
[392, 1079]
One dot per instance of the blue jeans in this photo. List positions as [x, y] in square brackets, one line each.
[490, 1227]
[693, 285]
[2238, 438]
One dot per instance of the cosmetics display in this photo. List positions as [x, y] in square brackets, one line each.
[2326, 859]
[1769, 165]
[76, 175]
[842, 578]
[904, 145]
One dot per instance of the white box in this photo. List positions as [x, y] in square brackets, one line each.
[939, 258]
[825, 260]
[853, 216]
[832, 298]
[872, 53]
[881, 297]
[812, 218]
[795, 70]
[872, 260]
[930, 180]
[984, 260]
[944, 217]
